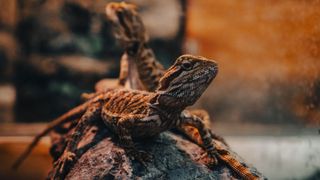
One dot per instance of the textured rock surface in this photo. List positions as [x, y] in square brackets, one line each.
[174, 157]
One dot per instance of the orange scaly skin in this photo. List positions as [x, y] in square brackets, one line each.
[130, 32]
[229, 157]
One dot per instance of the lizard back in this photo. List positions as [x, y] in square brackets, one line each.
[126, 102]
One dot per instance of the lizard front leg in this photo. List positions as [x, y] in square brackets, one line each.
[124, 126]
[206, 141]
[193, 133]
[68, 157]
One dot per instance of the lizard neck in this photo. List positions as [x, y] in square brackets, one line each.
[167, 105]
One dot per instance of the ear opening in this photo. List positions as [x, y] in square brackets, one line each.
[168, 77]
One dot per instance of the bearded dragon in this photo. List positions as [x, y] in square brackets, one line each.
[141, 64]
[139, 67]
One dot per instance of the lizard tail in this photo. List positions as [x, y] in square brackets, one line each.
[68, 116]
[223, 153]
[240, 168]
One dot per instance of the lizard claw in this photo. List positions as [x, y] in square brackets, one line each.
[60, 165]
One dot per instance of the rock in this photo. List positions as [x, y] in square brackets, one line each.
[174, 157]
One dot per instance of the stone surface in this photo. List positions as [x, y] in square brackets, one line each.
[174, 157]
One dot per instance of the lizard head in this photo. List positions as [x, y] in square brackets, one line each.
[127, 25]
[185, 81]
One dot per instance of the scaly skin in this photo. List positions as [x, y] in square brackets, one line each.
[129, 30]
[134, 114]
[139, 67]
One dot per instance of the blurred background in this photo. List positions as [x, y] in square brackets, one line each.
[265, 99]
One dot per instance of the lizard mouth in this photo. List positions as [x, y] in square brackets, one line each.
[213, 71]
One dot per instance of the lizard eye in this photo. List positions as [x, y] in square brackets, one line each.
[186, 66]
